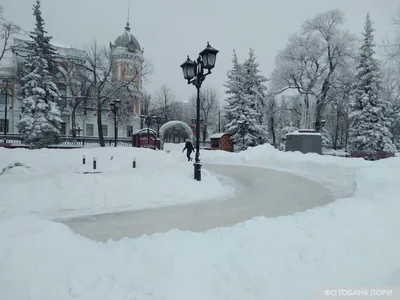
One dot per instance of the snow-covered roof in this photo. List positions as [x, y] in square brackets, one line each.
[304, 132]
[6, 72]
[127, 40]
[61, 50]
[217, 135]
[60, 45]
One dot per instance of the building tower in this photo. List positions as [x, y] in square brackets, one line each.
[128, 57]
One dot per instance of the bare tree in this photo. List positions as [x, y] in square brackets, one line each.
[100, 67]
[165, 103]
[7, 31]
[310, 60]
[129, 101]
[147, 104]
[209, 108]
[79, 84]
[337, 125]
[392, 45]
[275, 115]
[337, 46]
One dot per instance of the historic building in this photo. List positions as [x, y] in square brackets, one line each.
[127, 56]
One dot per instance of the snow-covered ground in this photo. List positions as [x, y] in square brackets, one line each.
[351, 243]
[51, 183]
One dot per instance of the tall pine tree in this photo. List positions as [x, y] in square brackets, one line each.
[255, 91]
[41, 118]
[238, 108]
[369, 127]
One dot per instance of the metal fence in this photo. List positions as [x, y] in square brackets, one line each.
[81, 141]
[70, 141]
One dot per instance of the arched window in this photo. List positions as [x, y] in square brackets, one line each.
[60, 77]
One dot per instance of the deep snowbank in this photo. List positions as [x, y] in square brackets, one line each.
[335, 173]
[54, 186]
[352, 242]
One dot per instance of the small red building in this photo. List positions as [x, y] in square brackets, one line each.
[221, 141]
[145, 138]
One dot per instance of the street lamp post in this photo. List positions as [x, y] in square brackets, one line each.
[159, 120]
[244, 127]
[142, 118]
[115, 104]
[194, 121]
[5, 110]
[193, 72]
[148, 121]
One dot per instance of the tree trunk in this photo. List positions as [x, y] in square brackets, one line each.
[272, 128]
[100, 126]
[204, 132]
[321, 100]
[337, 128]
[305, 113]
[73, 121]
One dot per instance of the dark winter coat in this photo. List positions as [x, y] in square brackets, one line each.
[188, 147]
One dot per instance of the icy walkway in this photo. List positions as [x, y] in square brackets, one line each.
[263, 192]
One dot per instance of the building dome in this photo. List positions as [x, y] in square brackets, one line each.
[127, 40]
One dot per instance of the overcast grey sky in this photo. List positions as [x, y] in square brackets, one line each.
[168, 30]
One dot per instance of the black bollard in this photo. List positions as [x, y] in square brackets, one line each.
[94, 163]
[134, 163]
[84, 160]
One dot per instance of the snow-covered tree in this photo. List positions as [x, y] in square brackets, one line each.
[40, 120]
[166, 105]
[242, 105]
[175, 128]
[369, 129]
[254, 85]
[310, 61]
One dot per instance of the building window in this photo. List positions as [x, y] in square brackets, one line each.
[4, 96]
[89, 130]
[129, 130]
[105, 130]
[3, 126]
[130, 70]
[60, 77]
[135, 102]
[62, 104]
[63, 129]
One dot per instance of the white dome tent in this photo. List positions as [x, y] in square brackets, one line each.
[178, 127]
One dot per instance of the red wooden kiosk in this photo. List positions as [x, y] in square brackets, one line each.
[145, 138]
[221, 141]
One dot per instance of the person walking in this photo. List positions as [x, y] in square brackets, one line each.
[189, 149]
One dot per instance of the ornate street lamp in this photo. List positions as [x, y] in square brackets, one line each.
[115, 105]
[159, 121]
[244, 128]
[194, 73]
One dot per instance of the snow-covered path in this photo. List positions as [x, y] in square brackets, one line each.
[264, 192]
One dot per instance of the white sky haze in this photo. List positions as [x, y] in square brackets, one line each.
[169, 30]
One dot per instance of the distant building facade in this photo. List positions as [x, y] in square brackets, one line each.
[128, 58]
